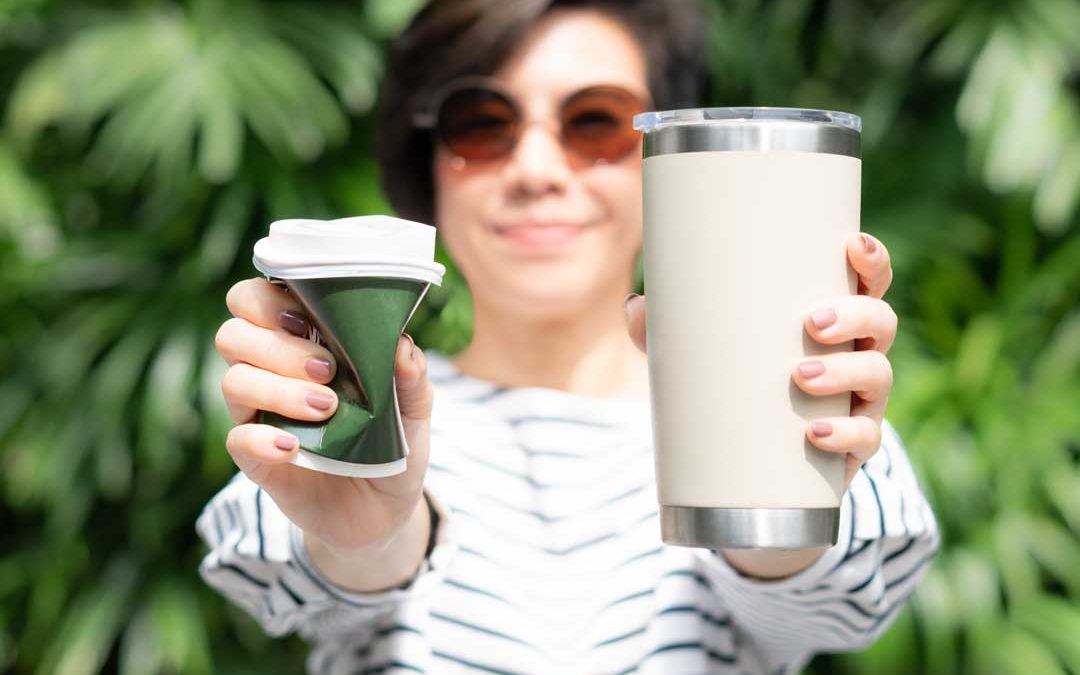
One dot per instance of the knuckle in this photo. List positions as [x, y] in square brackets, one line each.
[225, 339]
[234, 299]
[232, 383]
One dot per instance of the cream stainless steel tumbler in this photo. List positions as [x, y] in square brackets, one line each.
[747, 212]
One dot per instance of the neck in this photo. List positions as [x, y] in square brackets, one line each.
[587, 353]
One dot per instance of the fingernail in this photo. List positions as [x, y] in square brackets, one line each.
[627, 299]
[285, 442]
[821, 429]
[811, 369]
[868, 243]
[412, 346]
[823, 318]
[317, 369]
[295, 323]
[320, 401]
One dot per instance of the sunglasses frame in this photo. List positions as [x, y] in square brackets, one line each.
[428, 119]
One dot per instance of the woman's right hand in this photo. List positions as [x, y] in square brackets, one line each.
[273, 367]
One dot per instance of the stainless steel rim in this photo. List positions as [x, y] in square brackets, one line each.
[749, 528]
[753, 135]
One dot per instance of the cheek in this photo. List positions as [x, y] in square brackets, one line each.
[618, 188]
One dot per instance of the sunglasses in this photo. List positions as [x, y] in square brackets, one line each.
[478, 121]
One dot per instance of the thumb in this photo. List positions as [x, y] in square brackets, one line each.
[635, 319]
[413, 388]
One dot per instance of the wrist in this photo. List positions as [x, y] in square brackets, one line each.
[771, 565]
[381, 565]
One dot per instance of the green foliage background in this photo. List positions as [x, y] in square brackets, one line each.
[146, 144]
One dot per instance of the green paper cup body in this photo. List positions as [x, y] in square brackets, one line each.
[358, 306]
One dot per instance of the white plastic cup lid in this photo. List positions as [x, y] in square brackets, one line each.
[359, 246]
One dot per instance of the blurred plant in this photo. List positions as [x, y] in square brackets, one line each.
[146, 147]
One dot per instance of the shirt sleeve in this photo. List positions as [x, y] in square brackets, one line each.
[850, 596]
[257, 560]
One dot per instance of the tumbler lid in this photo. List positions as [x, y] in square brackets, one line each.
[648, 121]
[750, 130]
[358, 246]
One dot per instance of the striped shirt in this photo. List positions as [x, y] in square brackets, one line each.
[548, 559]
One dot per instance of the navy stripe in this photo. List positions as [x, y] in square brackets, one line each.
[858, 587]
[382, 668]
[562, 454]
[900, 551]
[292, 594]
[479, 629]
[877, 498]
[620, 638]
[914, 569]
[722, 622]
[227, 503]
[258, 523]
[493, 393]
[471, 664]
[869, 614]
[591, 509]
[641, 556]
[528, 419]
[697, 577]
[217, 525]
[697, 644]
[573, 548]
[479, 591]
[628, 598]
[398, 628]
[233, 568]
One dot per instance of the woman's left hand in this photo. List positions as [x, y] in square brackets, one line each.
[865, 372]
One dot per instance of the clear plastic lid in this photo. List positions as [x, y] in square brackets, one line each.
[649, 121]
[359, 246]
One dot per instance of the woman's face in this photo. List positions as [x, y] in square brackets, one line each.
[539, 234]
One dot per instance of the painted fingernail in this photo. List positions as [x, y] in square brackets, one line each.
[317, 369]
[285, 442]
[811, 369]
[295, 323]
[821, 429]
[868, 243]
[320, 401]
[823, 318]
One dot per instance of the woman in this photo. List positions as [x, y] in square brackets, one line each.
[530, 541]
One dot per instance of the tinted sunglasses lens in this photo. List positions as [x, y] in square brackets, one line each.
[598, 123]
[477, 124]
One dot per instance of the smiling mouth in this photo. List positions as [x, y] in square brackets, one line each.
[540, 235]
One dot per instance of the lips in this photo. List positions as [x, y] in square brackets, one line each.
[539, 235]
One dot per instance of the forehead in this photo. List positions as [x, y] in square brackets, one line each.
[571, 49]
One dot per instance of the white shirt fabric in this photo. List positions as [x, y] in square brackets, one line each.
[548, 557]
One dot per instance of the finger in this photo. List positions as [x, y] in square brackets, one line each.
[868, 374]
[239, 340]
[635, 319]
[854, 317]
[257, 449]
[263, 303]
[414, 390]
[871, 262]
[858, 436]
[250, 387]
[875, 410]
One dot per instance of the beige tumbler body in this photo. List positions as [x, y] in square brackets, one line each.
[745, 234]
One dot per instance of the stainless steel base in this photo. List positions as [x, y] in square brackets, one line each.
[748, 528]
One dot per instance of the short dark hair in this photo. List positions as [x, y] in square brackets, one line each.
[454, 38]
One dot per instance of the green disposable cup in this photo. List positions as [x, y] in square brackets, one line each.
[360, 281]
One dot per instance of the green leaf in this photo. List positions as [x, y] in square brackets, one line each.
[85, 637]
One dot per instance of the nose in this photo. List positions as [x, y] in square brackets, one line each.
[538, 164]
